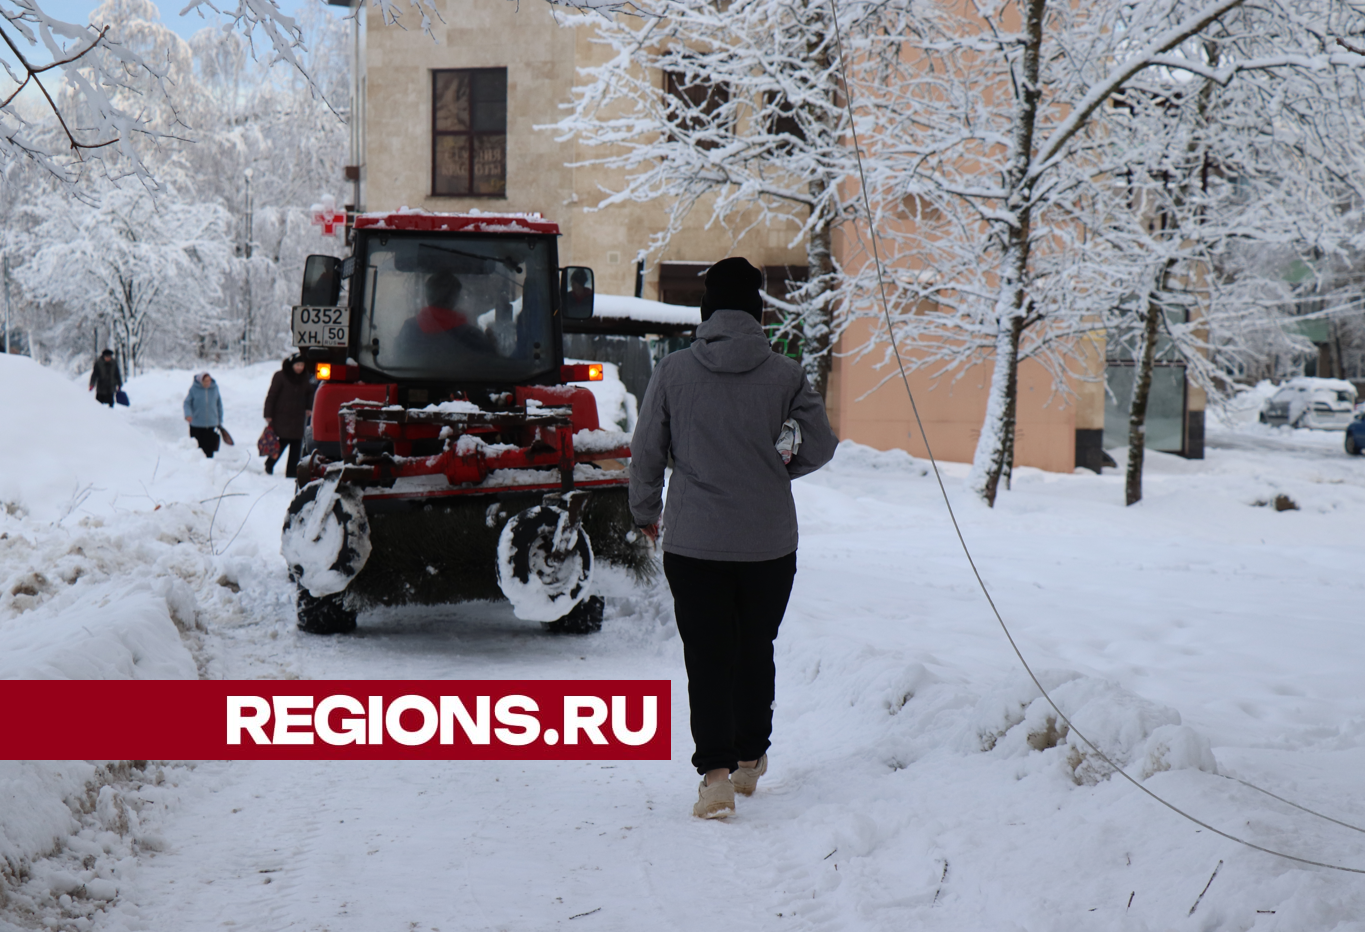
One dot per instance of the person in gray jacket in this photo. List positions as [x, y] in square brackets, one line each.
[204, 412]
[721, 409]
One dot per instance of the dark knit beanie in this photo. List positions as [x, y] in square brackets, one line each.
[733, 285]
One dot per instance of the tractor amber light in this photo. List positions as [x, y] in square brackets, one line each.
[324, 371]
[581, 372]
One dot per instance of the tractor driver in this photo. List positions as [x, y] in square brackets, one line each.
[438, 329]
[580, 292]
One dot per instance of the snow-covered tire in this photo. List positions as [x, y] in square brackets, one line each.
[326, 551]
[539, 587]
[585, 618]
[1351, 447]
[327, 614]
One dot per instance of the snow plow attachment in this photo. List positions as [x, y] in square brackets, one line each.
[515, 505]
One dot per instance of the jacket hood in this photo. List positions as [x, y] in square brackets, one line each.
[731, 341]
[287, 367]
[213, 383]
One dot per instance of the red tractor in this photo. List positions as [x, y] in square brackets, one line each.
[451, 457]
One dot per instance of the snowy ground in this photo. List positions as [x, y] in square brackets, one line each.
[916, 782]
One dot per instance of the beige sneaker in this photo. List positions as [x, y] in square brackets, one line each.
[745, 779]
[716, 801]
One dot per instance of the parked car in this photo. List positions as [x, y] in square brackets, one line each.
[1355, 435]
[1322, 404]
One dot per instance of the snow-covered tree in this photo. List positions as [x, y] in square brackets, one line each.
[266, 147]
[998, 159]
[256, 142]
[143, 269]
[84, 98]
[733, 115]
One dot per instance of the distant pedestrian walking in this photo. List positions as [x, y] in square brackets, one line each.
[106, 379]
[204, 412]
[740, 422]
[288, 404]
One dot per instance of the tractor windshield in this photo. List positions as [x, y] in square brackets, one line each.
[457, 308]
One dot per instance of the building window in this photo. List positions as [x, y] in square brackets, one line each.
[781, 119]
[1168, 396]
[691, 104]
[469, 133]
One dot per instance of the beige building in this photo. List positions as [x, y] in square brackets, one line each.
[449, 126]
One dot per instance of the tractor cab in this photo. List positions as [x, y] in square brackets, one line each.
[442, 307]
[449, 453]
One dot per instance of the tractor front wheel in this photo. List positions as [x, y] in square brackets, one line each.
[583, 618]
[326, 614]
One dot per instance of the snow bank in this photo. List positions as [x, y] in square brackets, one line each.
[109, 569]
[35, 818]
[70, 837]
[93, 568]
[62, 449]
[1142, 737]
[107, 633]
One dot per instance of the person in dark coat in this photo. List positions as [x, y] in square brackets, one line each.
[204, 412]
[740, 422]
[106, 379]
[288, 405]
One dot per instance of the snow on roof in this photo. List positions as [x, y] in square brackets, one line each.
[621, 307]
[473, 221]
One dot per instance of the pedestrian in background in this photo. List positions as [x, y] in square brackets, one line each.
[740, 421]
[204, 412]
[105, 378]
[288, 405]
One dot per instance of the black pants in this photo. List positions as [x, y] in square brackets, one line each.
[291, 464]
[207, 438]
[104, 399]
[728, 615]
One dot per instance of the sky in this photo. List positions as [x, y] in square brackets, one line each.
[78, 11]
[186, 26]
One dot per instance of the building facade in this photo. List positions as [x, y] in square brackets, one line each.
[451, 126]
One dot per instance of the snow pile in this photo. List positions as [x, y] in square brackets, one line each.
[855, 456]
[98, 582]
[90, 821]
[62, 450]
[1139, 736]
[34, 818]
[124, 632]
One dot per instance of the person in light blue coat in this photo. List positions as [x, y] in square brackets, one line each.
[204, 412]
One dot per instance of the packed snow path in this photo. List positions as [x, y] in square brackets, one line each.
[916, 783]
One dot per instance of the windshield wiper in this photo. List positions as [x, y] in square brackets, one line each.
[505, 260]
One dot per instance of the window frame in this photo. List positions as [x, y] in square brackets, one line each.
[470, 135]
[782, 119]
[717, 97]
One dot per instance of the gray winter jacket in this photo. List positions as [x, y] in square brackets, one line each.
[204, 406]
[718, 407]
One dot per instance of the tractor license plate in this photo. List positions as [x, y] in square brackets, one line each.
[321, 326]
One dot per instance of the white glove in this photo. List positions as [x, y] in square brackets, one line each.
[789, 441]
